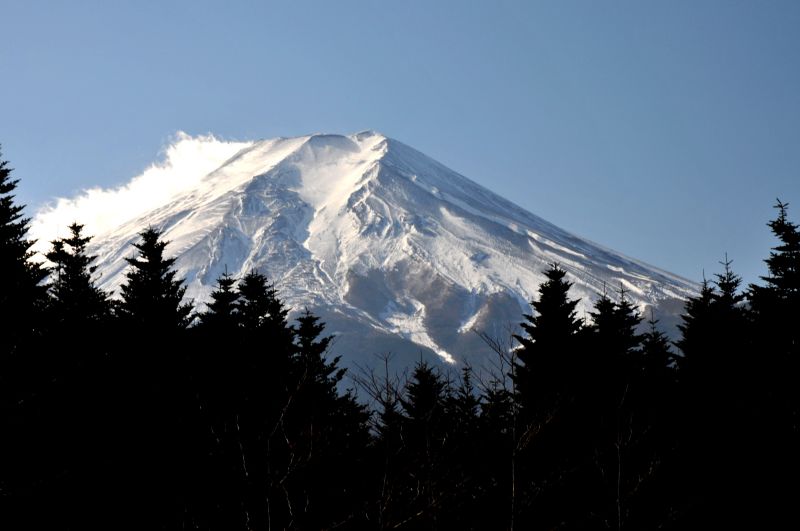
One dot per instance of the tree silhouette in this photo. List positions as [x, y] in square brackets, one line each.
[425, 430]
[222, 314]
[30, 461]
[151, 295]
[775, 307]
[158, 425]
[23, 295]
[75, 299]
[259, 307]
[548, 349]
[546, 379]
[327, 433]
[716, 380]
[609, 413]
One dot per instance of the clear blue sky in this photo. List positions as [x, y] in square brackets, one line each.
[664, 129]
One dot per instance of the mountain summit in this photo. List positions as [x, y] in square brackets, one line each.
[394, 250]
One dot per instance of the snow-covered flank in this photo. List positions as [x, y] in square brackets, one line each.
[391, 247]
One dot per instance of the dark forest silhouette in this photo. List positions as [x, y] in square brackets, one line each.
[144, 412]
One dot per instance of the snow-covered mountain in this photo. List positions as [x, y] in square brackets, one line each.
[394, 250]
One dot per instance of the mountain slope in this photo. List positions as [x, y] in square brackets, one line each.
[396, 251]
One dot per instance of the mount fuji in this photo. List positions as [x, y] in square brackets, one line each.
[396, 252]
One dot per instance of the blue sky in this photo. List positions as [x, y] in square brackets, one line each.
[664, 130]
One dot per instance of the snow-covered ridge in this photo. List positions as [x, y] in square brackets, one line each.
[381, 239]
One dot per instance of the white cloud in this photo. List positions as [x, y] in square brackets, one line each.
[185, 162]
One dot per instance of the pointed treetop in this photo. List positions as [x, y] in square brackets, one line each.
[222, 311]
[259, 306]
[22, 294]
[784, 259]
[151, 295]
[75, 296]
[554, 312]
[728, 284]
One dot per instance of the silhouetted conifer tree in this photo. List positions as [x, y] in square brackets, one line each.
[464, 406]
[658, 360]
[715, 387]
[425, 429]
[694, 325]
[386, 455]
[159, 421]
[549, 349]
[79, 341]
[259, 307]
[23, 294]
[222, 313]
[262, 384]
[328, 434]
[783, 281]
[497, 445]
[774, 373]
[75, 299]
[652, 402]
[550, 370]
[610, 414]
[714, 331]
[152, 298]
[615, 326]
[467, 456]
[218, 357]
[776, 306]
[29, 458]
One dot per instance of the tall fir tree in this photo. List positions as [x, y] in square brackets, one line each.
[80, 337]
[652, 402]
[425, 431]
[549, 349]
[469, 476]
[386, 454]
[75, 298]
[608, 415]
[496, 443]
[265, 384]
[547, 378]
[615, 325]
[328, 434]
[775, 307]
[716, 382]
[694, 322]
[158, 424]
[658, 360]
[23, 294]
[714, 329]
[27, 457]
[465, 405]
[260, 309]
[222, 314]
[783, 280]
[311, 349]
[152, 296]
[218, 376]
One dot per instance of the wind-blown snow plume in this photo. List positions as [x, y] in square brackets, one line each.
[186, 160]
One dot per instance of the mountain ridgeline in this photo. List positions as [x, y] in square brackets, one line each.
[389, 247]
[145, 411]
